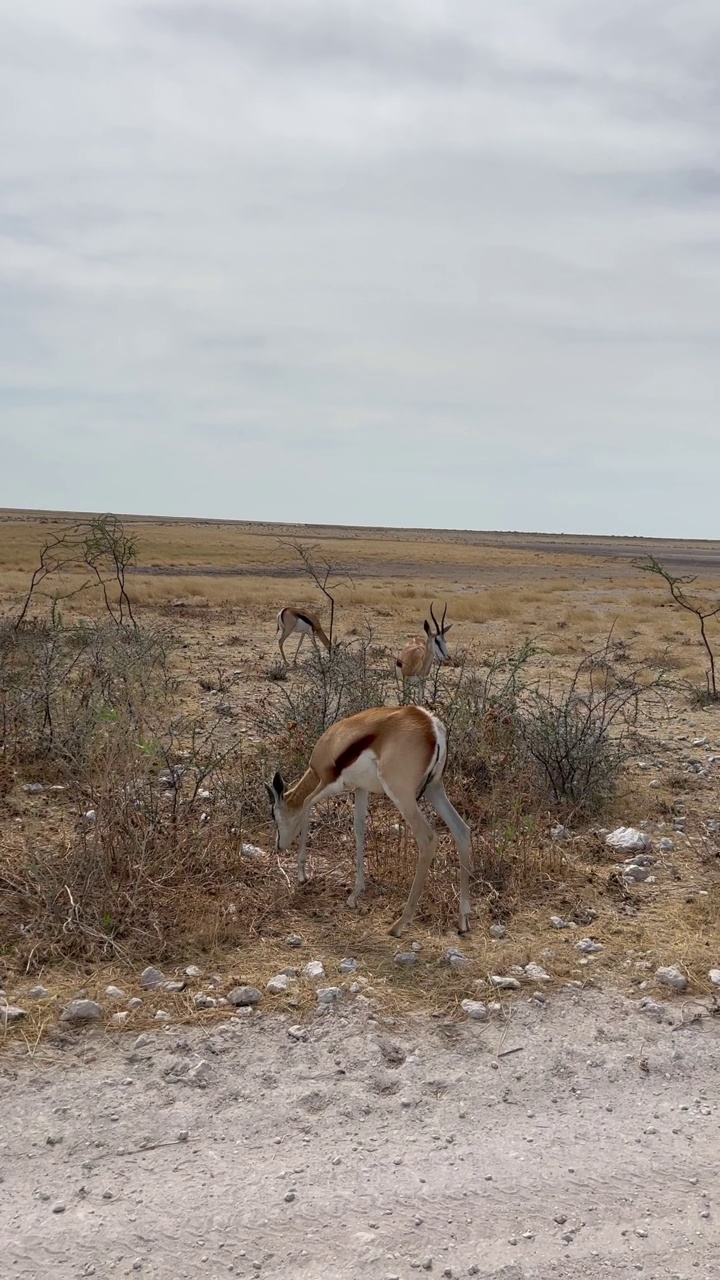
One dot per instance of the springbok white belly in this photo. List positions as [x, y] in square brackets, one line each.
[362, 773]
[302, 625]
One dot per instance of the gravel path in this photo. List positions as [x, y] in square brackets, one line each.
[368, 1150]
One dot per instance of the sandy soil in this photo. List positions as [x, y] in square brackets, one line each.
[367, 1149]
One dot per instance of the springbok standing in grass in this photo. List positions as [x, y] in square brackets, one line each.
[419, 653]
[302, 620]
[401, 751]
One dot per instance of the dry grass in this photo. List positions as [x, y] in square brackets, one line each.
[497, 591]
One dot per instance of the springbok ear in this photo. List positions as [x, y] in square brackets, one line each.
[426, 625]
[278, 786]
[447, 628]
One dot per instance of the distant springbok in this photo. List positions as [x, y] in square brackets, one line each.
[401, 751]
[419, 653]
[302, 620]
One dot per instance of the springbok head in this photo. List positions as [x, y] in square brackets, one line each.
[440, 649]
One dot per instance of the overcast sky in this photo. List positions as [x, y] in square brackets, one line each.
[382, 262]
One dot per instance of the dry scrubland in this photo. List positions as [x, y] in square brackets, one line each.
[163, 873]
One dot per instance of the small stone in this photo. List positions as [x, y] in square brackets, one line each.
[249, 850]
[560, 1218]
[670, 976]
[114, 993]
[81, 1011]
[33, 788]
[202, 1001]
[183, 1135]
[289, 1197]
[278, 985]
[666, 845]
[628, 839]
[497, 931]
[90, 816]
[588, 947]
[504, 984]
[143, 1040]
[39, 993]
[536, 972]
[416, 946]
[474, 1009]
[200, 1073]
[314, 969]
[151, 978]
[635, 873]
[557, 922]
[456, 959]
[242, 997]
[162, 1015]
[640, 1231]
[58, 1207]
[293, 940]
[297, 1032]
[11, 1013]
[328, 995]
[119, 1019]
[134, 1003]
[653, 1008]
[192, 971]
[714, 976]
[426, 1264]
[405, 958]
[348, 965]
[559, 833]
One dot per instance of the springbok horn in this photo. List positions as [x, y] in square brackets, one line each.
[432, 615]
[442, 624]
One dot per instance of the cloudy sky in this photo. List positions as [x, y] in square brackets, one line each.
[402, 262]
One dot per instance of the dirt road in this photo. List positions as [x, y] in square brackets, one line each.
[368, 1150]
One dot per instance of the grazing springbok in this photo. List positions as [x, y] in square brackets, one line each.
[401, 751]
[419, 653]
[302, 620]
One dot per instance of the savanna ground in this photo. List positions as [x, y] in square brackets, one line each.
[178, 869]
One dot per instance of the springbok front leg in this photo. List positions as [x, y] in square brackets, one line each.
[302, 848]
[361, 808]
[427, 844]
[460, 832]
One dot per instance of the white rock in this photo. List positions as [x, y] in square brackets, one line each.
[90, 816]
[81, 1011]
[629, 839]
[11, 1013]
[279, 984]
[39, 993]
[559, 833]
[33, 788]
[348, 965]
[328, 995]
[134, 1003]
[504, 984]
[700, 742]
[119, 1019]
[162, 1016]
[114, 993]
[588, 947]
[314, 969]
[201, 1001]
[536, 972]
[635, 873]
[474, 1009]
[557, 922]
[714, 976]
[192, 971]
[670, 976]
[666, 845]
[253, 851]
[497, 931]
[151, 978]
[293, 940]
[297, 1032]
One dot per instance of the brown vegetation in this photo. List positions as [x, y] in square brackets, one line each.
[166, 733]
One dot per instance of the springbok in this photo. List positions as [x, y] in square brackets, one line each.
[419, 653]
[302, 620]
[401, 751]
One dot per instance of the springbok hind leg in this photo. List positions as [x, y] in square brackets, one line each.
[460, 832]
[427, 844]
[361, 808]
[302, 637]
